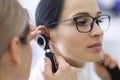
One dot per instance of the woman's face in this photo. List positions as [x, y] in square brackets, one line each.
[74, 46]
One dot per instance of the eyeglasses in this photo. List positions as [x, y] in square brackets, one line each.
[84, 24]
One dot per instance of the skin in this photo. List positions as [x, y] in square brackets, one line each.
[70, 43]
[67, 42]
[107, 61]
[16, 60]
[63, 66]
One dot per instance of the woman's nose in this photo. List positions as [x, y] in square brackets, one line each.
[97, 31]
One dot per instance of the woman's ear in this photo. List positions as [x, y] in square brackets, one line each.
[15, 51]
[44, 30]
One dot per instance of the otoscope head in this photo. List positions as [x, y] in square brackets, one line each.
[42, 40]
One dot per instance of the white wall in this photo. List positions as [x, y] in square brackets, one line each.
[30, 5]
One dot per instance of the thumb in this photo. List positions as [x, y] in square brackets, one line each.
[48, 68]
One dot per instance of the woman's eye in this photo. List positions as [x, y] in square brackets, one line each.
[99, 21]
[81, 23]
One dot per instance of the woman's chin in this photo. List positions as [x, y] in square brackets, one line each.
[98, 57]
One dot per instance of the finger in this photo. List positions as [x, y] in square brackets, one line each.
[35, 33]
[107, 60]
[43, 29]
[61, 62]
[48, 67]
[113, 64]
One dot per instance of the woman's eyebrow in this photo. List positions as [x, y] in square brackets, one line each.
[85, 14]
[98, 13]
[81, 13]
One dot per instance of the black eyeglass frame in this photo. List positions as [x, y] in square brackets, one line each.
[75, 20]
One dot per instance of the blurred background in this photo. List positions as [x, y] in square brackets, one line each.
[111, 37]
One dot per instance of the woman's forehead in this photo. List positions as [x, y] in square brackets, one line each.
[72, 7]
[78, 3]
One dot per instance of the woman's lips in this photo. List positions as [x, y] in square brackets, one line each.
[96, 46]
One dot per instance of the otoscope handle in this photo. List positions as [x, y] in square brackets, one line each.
[51, 56]
[43, 42]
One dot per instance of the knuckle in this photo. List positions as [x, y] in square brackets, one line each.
[106, 56]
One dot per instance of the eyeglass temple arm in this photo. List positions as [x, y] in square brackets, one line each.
[59, 22]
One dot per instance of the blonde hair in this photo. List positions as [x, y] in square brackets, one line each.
[13, 20]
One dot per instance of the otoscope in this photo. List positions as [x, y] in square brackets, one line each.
[43, 40]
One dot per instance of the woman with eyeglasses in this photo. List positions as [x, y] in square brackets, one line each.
[15, 49]
[76, 29]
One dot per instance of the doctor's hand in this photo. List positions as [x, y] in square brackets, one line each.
[34, 31]
[64, 72]
[100, 67]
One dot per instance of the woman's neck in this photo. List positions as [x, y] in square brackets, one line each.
[75, 63]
